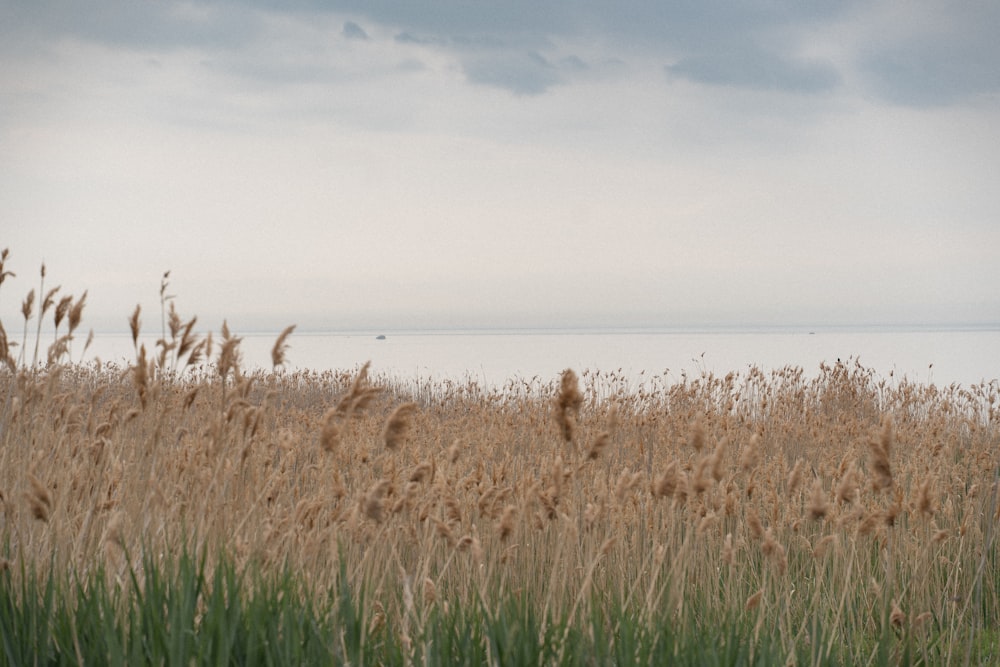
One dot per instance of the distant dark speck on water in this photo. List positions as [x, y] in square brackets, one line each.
[380, 337]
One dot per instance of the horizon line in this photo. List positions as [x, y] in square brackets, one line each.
[901, 327]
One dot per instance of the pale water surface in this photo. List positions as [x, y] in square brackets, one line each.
[492, 357]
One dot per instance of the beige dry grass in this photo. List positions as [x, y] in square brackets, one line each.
[847, 495]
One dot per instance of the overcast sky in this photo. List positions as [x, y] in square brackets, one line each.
[407, 164]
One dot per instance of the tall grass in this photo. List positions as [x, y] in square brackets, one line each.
[183, 509]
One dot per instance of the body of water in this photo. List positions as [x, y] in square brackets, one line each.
[492, 357]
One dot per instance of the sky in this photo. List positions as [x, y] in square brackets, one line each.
[444, 164]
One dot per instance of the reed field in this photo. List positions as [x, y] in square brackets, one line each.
[185, 510]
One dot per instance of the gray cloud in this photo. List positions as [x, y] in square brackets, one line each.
[512, 45]
[147, 25]
[934, 54]
[649, 22]
[706, 42]
[523, 74]
[926, 75]
[353, 31]
[757, 69]
[409, 38]
[574, 63]
[523, 60]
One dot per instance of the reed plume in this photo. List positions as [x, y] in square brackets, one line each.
[718, 469]
[430, 591]
[773, 550]
[423, 471]
[28, 305]
[352, 403]
[754, 524]
[847, 488]
[818, 507]
[568, 403]
[823, 545]
[47, 303]
[281, 347]
[896, 617]
[373, 504]
[113, 532]
[189, 345]
[397, 426]
[506, 524]
[140, 376]
[6, 357]
[750, 456]
[925, 498]
[4, 274]
[359, 395]
[62, 309]
[76, 312]
[454, 451]
[697, 439]
[728, 551]
[665, 484]
[27, 309]
[795, 477]
[880, 451]
[329, 436]
[598, 445]
[39, 499]
[229, 354]
[134, 325]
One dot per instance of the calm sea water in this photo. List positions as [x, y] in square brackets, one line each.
[491, 358]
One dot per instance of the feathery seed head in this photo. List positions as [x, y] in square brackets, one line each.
[818, 507]
[795, 477]
[568, 403]
[697, 435]
[39, 499]
[281, 347]
[879, 451]
[847, 489]
[398, 425]
[329, 436]
[751, 454]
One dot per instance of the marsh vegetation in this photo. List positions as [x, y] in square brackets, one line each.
[182, 508]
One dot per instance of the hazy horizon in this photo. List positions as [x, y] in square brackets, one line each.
[396, 166]
[151, 327]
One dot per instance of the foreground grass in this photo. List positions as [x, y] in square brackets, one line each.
[181, 613]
